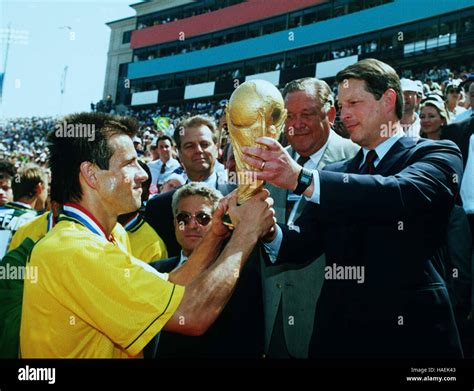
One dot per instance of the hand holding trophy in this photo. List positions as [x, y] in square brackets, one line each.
[255, 109]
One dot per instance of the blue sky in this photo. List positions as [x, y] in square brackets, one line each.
[42, 46]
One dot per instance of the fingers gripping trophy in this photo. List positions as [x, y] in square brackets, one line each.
[255, 109]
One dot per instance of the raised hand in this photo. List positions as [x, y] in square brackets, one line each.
[273, 164]
[256, 215]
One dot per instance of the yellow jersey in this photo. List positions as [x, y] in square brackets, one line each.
[92, 298]
[38, 227]
[146, 244]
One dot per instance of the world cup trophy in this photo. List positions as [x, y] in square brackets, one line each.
[255, 109]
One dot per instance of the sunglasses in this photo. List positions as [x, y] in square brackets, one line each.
[201, 217]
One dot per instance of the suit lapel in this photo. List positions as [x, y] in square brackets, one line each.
[400, 148]
[394, 155]
[326, 158]
[352, 166]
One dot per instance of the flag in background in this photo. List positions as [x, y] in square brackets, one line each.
[162, 123]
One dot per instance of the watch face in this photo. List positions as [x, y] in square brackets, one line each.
[306, 177]
[306, 180]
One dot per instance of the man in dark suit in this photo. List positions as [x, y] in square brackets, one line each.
[462, 133]
[291, 291]
[238, 332]
[381, 219]
[196, 143]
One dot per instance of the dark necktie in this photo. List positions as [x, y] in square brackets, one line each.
[291, 204]
[302, 160]
[163, 168]
[368, 167]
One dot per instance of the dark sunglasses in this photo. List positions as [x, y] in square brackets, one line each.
[201, 217]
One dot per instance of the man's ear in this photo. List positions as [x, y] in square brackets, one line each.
[332, 115]
[390, 100]
[88, 172]
[36, 191]
[39, 188]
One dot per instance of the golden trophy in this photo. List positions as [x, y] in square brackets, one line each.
[255, 109]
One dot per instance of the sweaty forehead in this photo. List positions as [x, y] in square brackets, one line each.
[122, 147]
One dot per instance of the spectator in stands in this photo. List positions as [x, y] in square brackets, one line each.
[453, 93]
[470, 97]
[162, 168]
[29, 190]
[154, 152]
[433, 117]
[137, 143]
[432, 85]
[411, 100]
[7, 173]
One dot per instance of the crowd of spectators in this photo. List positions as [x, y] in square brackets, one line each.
[23, 140]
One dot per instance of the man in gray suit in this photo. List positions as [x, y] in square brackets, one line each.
[290, 292]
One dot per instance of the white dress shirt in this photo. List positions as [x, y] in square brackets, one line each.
[155, 168]
[467, 184]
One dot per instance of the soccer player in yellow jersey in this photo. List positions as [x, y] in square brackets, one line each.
[92, 298]
[38, 227]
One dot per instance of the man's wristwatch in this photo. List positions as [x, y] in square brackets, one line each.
[304, 180]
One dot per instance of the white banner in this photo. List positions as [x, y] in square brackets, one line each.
[199, 90]
[332, 67]
[273, 77]
[145, 98]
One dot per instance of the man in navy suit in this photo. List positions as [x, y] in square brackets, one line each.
[381, 219]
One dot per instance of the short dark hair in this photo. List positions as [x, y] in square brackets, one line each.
[67, 153]
[378, 77]
[193, 122]
[29, 177]
[165, 137]
[7, 170]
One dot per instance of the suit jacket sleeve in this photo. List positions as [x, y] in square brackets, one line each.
[429, 182]
[159, 215]
[305, 243]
